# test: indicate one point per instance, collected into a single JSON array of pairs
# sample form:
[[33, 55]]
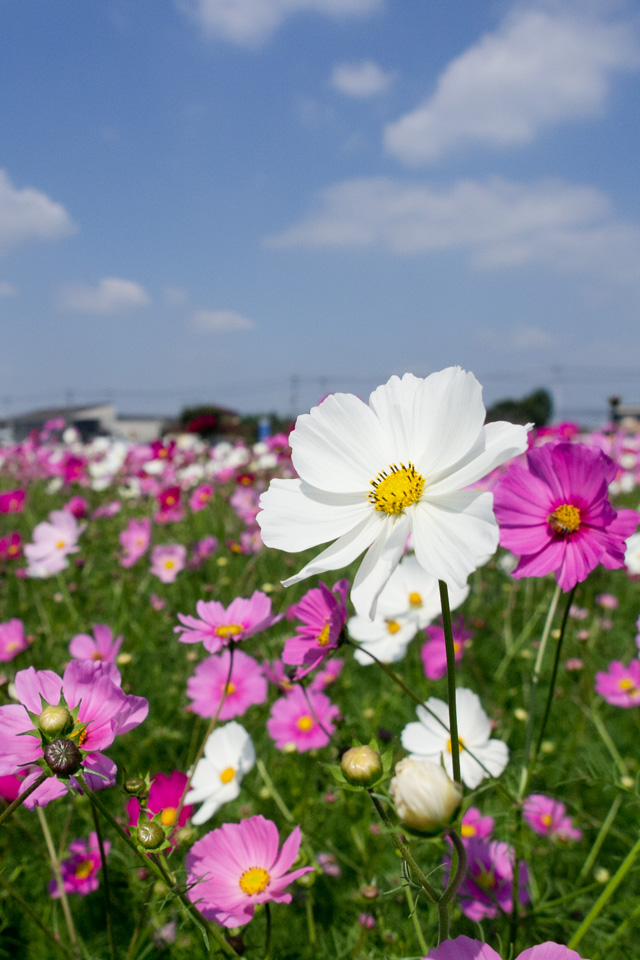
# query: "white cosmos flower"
[[430, 738], [632, 554], [409, 602], [228, 754], [370, 474]]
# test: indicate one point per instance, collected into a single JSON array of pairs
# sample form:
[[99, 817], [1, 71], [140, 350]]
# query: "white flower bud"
[[361, 766], [424, 795]]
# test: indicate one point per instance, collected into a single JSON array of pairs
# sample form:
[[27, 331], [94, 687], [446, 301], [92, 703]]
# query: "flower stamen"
[[254, 881], [565, 519], [401, 487]]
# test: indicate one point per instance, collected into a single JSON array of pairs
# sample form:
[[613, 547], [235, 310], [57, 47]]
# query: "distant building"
[[95, 420]]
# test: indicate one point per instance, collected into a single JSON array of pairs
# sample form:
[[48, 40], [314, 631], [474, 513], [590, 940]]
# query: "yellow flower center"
[[227, 775], [565, 519], [84, 869], [485, 880], [468, 830], [12, 645], [415, 599], [168, 816], [229, 630], [96, 655], [254, 881], [60, 544], [229, 689], [170, 501], [547, 819], [12, 550], [393, 491], [323, 636], [169, 564], [392, 626], [460, 744], [629, 685], [305, 723], [83, 736]]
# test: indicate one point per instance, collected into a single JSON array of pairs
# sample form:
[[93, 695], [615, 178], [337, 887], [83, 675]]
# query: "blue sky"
[[253, 202]]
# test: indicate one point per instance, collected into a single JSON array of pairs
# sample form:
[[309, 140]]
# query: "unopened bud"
[[54, 721], [150, 835], [63, 757], [361, 766], [136, 787], [424, 795]]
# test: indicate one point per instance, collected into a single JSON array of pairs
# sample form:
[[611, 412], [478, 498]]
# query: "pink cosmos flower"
[[607, 601], [135, 539], [434, 651], [12, 501], [556, 516], [94, 688], [462, 948], [217, 626], [246, 686], [108, 510], [323, 613], [488, 885], [10, 788], [158, 603], [547, 817], [302, 721], [101, 646], [171, 509], [10, 547], [277, 674], [167, 561], [328, 675], [202, 550], [475, 825], [12, 639], [80, 870], [238, 866], [620, 685], [200, 497], [78, 506], [164, 797], [53, 540]]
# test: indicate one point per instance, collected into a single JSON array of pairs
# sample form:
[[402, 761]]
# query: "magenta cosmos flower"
[[620, 685], [547, 817], [164, 798], [92, 687], [462, 948], [245, 685], [556, 516], [167, 561], [12, 501], [237, 866], [216, 626], [434, 651], [488, 885], [323, 614], [12, 639], [302, 721], [135, 539], [80, 869], [100, 646]]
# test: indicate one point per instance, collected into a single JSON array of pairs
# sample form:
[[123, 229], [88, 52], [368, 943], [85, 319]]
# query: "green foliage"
[[536, 408]]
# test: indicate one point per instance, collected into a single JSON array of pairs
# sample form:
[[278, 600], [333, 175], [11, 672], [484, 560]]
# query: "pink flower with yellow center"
[[242, 682], [302, 720], [620, 685], [547, 817], [323, 614], [80, 869], [217, 626], [12, 639], [167, 561], [164, 798], [100, 646], [238, 866]]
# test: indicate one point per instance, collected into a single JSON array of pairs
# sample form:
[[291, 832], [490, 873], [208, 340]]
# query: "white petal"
[[295, 516], [474, 725], [393, 405], [448, 418], [489, 760], [379, 563], [343, 551], [340, 446], [453, 535], [502, 441]]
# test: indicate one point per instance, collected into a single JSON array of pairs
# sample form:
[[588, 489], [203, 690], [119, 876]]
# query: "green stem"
[[413, 913], [142, 913], [602, 835], [275, 796], [70, 605], [401, 846], [594, 715], [311, 924], [23, 796], [606, 895], [34, 916], [267, 936], [156, 867], [55, 866], [105, 882], [451, 680]]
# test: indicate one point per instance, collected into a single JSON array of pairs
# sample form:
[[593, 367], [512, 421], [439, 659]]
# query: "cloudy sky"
[[255, 202]]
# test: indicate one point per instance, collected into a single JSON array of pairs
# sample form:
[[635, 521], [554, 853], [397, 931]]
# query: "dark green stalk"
[[451, 679], [401, 846], [23, 796], [105, 882]]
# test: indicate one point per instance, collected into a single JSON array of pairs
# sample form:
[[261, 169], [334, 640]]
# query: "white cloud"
[[220, 321], [497, 223], [111, 296], [360, 80], [518, 339], [7, 289], [28, 214], [540, 67], [250, 23]]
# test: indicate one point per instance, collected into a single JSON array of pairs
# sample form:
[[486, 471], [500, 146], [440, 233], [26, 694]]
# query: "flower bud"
[[424, 795], [150, 835], [63, 757], [361, 766], [54, 721], [136, 787]]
